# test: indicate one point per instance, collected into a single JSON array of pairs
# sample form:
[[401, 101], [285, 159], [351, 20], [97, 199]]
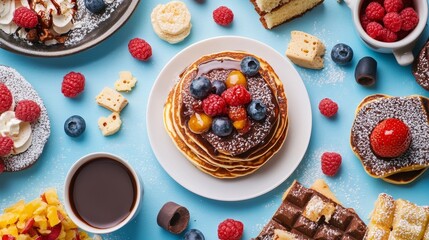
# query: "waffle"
[[399, 220], [308, 214], [238, 154], [413, 111]]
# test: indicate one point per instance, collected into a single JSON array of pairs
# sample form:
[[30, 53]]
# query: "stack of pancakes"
[[237, 154], [413, 111]]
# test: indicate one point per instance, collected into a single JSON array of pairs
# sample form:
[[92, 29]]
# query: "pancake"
[[404, 177], [413, 111], [238, 154]]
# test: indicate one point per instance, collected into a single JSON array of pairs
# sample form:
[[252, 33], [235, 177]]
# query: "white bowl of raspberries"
[[390, 26]]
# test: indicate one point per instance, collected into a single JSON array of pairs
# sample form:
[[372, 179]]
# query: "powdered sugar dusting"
[[398, 219], [21, 89], [346, 183], [86, 21], [407, 109], [332, 73]]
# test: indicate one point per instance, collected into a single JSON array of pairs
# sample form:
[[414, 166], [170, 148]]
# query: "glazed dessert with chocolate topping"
[[406, 165], [421, 67], [227, 121]]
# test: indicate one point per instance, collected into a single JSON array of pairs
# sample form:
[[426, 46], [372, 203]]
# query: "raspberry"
[[331, 162], [392, 21], [236, 96], [364, 20], [214, 105], [223, 16], [230, 229], [25, 17], [327, 107], [390, 138], [374, 11], [237, 113], [410, 19], [140, 49], [6, 146], [73, 84], [388, 36], [5, 98], [393, 5], [374, 29], [27, 111]]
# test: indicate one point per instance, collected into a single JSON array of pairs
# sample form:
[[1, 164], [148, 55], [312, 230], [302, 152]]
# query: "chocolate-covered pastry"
[[173, 217], [421, 67]]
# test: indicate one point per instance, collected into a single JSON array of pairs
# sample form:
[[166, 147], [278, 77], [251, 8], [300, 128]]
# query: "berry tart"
[[227, 113], [389, 136], [24, 122]]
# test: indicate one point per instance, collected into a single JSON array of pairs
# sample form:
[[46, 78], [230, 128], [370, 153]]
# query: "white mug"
[[402, 49], [68, 200]]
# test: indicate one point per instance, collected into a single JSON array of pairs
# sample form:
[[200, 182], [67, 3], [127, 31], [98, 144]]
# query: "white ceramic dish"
[[276, 170], [68, 205], [402, 49]]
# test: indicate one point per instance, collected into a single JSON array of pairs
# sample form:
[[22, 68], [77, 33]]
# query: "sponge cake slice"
[[285, 10]]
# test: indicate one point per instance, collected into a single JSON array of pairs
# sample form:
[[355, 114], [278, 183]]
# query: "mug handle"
[[404, 57]]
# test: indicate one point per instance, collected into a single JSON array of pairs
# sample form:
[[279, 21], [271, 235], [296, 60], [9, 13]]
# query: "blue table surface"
[[331, 22]]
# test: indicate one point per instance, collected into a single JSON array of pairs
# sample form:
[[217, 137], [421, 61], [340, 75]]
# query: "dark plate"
[[104, 30]]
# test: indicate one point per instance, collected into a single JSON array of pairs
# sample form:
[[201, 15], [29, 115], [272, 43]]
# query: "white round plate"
[[269, 176]]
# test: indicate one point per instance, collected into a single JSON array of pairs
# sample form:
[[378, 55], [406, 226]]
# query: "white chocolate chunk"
[[110, 125], [316, 208], [111, 100], [125, 82], [305, 50]]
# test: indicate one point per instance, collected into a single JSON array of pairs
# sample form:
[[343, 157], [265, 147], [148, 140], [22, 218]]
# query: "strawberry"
[[28, 225], [390, 138], [55, 232], [8, 237]]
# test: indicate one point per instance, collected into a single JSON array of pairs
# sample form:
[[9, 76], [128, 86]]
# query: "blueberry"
[[194, 234], [200, 87], [257, 110], [95, 6], [222, 126], [342, 54], [249, 66], [218, 87], [74, 126]]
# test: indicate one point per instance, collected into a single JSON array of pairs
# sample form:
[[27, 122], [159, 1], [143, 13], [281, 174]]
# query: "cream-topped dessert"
[[56, 18], [17, 130], [27, 126]]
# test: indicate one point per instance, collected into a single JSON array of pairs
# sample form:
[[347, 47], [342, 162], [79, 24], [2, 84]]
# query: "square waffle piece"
[[306, 213], [397, 220]]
